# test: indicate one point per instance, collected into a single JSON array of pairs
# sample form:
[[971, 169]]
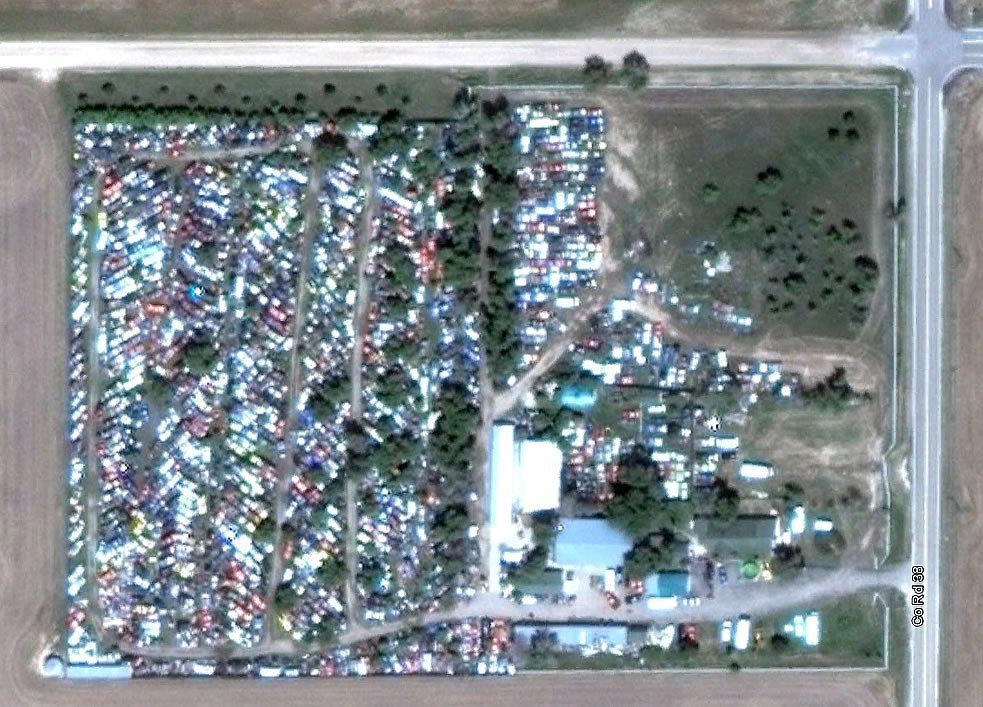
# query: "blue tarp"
[[667, 584], [578, 398]]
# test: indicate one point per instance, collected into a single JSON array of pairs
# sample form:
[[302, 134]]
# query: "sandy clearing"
[[962, 680]]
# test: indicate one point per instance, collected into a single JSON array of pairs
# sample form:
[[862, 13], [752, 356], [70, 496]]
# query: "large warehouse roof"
[[590, 543], [538, 480]]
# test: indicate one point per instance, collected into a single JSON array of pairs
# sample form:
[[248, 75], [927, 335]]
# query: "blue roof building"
[[667, 584], [589, 543], [112, 671]]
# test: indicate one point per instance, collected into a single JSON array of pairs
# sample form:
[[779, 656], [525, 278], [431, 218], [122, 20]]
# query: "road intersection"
[[929, 49]]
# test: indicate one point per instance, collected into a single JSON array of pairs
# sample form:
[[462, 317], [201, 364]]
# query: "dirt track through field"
[[962, 680]]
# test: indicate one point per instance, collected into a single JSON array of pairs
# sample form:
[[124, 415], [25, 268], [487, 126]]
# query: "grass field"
[[441, 17], [33, 246], [789, 187], [830, 461]]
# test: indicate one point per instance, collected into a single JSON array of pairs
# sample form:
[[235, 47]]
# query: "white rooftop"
[[537, 481]]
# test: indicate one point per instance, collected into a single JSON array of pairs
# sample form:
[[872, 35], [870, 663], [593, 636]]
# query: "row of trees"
[[149, 116], [834, 392], [534, 564], [634, 71], [500, 315], [458, 251]]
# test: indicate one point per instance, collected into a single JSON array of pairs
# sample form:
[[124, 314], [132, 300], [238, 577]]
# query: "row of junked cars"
[[218, 318], [215, 297]]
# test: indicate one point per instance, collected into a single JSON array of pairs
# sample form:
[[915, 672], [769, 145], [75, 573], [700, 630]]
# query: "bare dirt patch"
[[963, 483], [770, 688], [33, 332]]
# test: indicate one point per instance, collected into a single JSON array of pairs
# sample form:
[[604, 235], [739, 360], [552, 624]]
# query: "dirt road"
[[813, 358]]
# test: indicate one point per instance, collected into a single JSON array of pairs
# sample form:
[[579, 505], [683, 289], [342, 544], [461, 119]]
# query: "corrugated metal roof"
[[746, 535], [576, 635], [589, 542], [117, 671]]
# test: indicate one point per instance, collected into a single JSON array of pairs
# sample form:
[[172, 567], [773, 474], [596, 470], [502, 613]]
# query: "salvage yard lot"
[[33, 469], [835, 151], [550, 17]]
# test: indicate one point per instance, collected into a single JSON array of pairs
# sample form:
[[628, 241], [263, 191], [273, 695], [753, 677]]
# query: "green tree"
[[723, 501], [635, 70], [199, 357], [710, 193], [769, 181], [158, 390], [332, 148], [597, 72], [332, 573], [332, 393], [638, 504]]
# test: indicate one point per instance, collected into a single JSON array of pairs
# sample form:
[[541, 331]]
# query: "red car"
[[613, 601]]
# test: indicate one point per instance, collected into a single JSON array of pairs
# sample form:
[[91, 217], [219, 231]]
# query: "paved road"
[[811, 50], [929, 49]]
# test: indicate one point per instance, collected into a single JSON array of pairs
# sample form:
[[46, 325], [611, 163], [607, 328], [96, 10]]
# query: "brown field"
[[33, 216], [551, 17], [747, 688], [33, 219], [962, 679]]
